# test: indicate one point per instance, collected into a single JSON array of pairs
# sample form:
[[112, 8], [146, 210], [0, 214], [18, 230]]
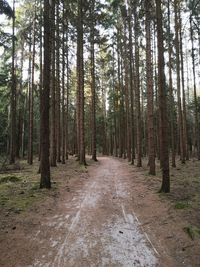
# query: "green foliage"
[[18, 192], [182, 205], [192, 231], [9, 178]]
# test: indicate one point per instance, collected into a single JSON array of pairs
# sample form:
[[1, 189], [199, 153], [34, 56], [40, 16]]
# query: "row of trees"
[[115, 77]]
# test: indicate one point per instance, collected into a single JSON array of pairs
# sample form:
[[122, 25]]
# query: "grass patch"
[[182, 205], [192, 231], [10, 179], [18, 192], [83, 168]]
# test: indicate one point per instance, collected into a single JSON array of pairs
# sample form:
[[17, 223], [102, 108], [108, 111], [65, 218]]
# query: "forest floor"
[[107, 214]]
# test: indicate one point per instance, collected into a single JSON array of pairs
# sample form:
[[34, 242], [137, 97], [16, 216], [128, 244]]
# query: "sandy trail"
[[97, 227]]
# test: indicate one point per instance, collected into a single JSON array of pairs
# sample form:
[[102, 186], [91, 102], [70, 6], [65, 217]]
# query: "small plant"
[[182, 205], [191, 231]]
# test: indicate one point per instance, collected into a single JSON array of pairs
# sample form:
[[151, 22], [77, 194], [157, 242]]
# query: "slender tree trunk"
[[131, 70], [53, 151], [80, 73], [58, 124], [137, 93], [93, 85], [67, 96], [21, 104], [149, 73], [126, 88], [41, 74], [197, 139], [115, 108], [180, 117], [120, 95], [63, 88], [171, 97], [164, 155], [157, 139], [45, 181], [13, 96], [185, 132], [31, 90]]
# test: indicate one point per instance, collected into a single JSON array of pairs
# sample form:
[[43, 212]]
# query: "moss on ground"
[[192, 231], [19, 191]]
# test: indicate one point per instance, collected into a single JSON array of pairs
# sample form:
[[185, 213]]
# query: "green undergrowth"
[[83, 168], [19, 191], [182, 205], [9, 178], [192, 231]]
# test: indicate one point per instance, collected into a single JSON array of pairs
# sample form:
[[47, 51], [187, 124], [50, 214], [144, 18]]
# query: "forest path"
[[97, 226]]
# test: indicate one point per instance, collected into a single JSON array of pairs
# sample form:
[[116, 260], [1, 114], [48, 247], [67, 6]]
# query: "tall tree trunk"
[[180, 117], [13, 96], [137, 92], [185, 132], [21, 104], [67, 96], [126, 88], [53, 150], [197, 139], [31, 90], [121, 148], [45, 181], [157, 139], [131, 70], [41, 73], [115, 104], [63, 87], [93, 85], [149, 74], [164, 155], [171, 97], [80, 80], [58, 124]]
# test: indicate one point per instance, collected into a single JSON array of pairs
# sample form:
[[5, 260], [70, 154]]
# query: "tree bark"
[[93, 85], [53, 150], [58, 93], [164, 156], [137, 93], [45, 181], [13, 96], [197, 139], [80, 80], [131, 70], [171, 97], [149, 75], [180, 117], [63, 88], [185, 131], [31, 90]]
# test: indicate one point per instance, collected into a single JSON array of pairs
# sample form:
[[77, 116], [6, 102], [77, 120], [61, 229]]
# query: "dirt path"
[[98, 226], [108, 217]]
